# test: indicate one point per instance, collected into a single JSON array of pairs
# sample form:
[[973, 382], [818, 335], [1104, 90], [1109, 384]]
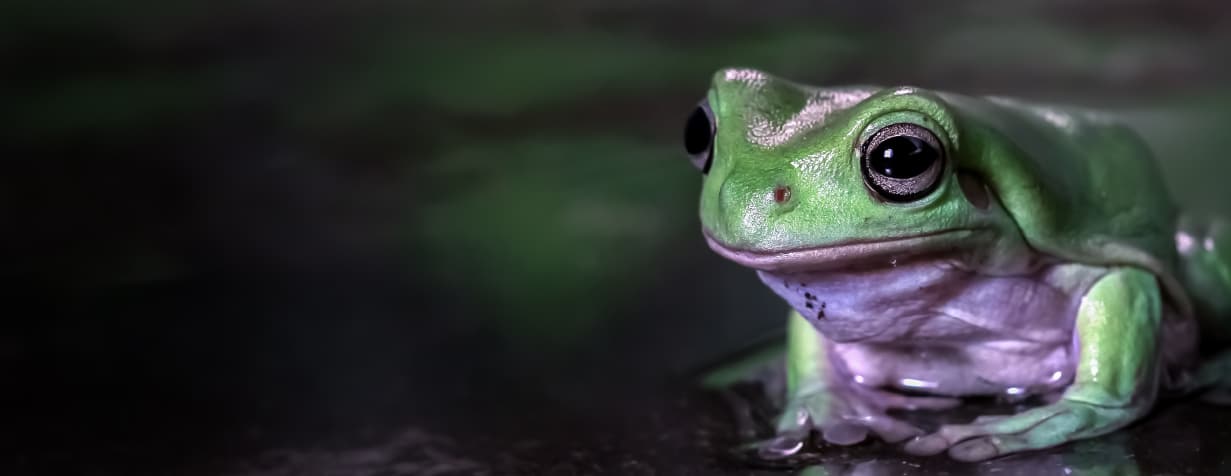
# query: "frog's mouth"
[[842, 254]]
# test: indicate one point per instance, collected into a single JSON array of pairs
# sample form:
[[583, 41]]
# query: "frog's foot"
[[840, 420], [1051, 425]]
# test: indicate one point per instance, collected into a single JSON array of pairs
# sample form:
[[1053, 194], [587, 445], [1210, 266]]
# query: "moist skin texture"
[[1045, 260]]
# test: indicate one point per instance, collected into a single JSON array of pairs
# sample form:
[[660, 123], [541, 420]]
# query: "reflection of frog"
[[935, 246], [1098, 457]]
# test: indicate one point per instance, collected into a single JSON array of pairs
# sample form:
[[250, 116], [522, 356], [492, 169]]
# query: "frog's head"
[[798, 177]]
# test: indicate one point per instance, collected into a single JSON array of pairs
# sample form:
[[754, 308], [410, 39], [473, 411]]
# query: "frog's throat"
[[841, 254]]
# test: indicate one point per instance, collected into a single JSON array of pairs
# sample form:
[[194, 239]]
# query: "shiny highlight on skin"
[[1046, 262]]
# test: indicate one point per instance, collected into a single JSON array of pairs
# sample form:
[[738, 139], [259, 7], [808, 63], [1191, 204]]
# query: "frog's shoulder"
[[1080, 183]]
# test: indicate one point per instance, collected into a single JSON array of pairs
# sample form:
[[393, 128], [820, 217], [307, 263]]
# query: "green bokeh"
[[553, 230], [529, 153]]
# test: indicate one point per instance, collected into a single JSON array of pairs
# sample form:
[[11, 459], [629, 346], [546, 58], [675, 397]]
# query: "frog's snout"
[[749, 210]]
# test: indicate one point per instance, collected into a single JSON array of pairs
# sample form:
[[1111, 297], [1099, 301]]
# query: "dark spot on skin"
[[782, 194], [820, 314], [808, 305], [822, 304], [809, 296]]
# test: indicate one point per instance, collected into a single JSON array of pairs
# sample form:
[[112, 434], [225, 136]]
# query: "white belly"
[[933, 327]]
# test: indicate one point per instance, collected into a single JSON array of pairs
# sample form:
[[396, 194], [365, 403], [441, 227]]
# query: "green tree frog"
[[934, 246]]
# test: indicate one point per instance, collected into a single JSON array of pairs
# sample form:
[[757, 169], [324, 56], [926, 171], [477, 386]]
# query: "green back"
[[1078, 184]]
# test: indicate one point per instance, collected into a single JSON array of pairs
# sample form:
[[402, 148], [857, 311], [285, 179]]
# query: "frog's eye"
[[699, 137], [902, 162]]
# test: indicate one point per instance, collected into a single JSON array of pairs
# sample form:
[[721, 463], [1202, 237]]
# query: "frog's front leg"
[[1118, 325], [819, 400]]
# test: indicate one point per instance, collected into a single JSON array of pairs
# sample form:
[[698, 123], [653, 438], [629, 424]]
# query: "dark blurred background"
[[381, 237]]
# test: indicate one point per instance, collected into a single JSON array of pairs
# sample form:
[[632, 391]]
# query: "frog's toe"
[[842, 421], [782, 446], [971, 440], [823, 413], [1053, 432], [978, 449], [1038, 428], [990, 418], [927, 445], [843, 433], [950, 437], [852, 430], [891, 429]]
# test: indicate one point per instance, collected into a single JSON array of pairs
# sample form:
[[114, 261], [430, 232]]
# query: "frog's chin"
[[843, 254]]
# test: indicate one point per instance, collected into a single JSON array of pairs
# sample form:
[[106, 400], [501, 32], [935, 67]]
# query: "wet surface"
[[205, 395]]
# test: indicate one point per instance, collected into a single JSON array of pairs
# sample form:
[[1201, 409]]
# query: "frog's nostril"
[[782, 194]]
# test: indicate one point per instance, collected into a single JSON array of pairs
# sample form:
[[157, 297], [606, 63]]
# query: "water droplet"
[[859, 379], [845, 433], [1055, 376], [1014, 390]]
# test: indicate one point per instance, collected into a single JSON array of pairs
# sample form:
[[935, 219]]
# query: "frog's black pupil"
[[697, 133], [902, 157]]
